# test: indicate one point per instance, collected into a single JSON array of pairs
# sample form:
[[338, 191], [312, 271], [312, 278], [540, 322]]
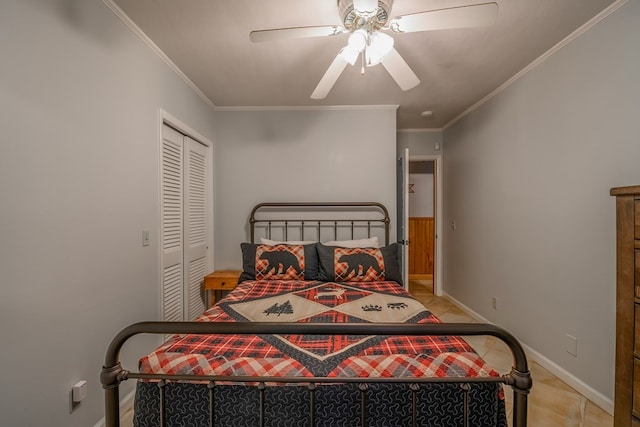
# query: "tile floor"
[[552, 403]]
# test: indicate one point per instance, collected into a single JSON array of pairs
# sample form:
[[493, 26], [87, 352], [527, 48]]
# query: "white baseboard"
[[580, 386], [126, 403]]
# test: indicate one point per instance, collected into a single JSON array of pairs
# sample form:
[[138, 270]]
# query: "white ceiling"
[[209, 41]]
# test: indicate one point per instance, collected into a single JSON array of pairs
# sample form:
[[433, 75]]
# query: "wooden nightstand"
[[220, 280]]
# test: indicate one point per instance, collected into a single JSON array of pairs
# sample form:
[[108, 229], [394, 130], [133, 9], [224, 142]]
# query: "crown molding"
[[426, 130], [307, 107]]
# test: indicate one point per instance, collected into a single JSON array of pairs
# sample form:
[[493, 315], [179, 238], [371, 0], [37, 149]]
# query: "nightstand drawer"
[[220, 280], [220, 283]]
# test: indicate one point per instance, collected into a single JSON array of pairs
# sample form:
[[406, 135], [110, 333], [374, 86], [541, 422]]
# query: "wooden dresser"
[[627, 386]]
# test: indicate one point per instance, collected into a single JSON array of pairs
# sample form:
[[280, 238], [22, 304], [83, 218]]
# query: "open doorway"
[[422, 210]]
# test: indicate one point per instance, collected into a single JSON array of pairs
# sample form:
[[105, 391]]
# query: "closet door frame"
[[165, 118]]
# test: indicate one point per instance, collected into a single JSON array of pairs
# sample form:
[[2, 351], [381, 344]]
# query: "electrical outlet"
[[494, 303], [77, 394], [571, 345]]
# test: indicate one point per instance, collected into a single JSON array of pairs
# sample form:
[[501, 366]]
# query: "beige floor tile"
[[596, 417], [551, 406], [542, 376], [499, 360], [481, 344], [449, 317], [126, 420]]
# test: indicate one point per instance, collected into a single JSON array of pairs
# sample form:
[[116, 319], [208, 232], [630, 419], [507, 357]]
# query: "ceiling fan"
[[366, 22]]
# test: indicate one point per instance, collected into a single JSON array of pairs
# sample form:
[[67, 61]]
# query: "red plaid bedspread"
[[311, 355]]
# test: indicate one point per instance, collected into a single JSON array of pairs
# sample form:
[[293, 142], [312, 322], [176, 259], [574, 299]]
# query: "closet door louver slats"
[[195, 304], [172, 225], [196, 225], [173, 293]]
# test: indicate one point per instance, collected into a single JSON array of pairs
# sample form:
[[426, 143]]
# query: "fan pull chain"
[[362, 64]]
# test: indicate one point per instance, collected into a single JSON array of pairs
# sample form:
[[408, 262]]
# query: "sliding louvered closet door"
[[185, 213]]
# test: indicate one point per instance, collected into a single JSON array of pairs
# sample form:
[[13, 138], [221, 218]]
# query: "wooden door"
[[421, 248]]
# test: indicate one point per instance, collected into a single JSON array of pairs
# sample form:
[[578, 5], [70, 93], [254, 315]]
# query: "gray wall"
[[527, 179], [302, 155], [79, 100], [420, 142]]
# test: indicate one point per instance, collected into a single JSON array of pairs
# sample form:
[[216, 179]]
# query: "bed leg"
[[519, 409], [112, 407], [111, 377], [521, 384]]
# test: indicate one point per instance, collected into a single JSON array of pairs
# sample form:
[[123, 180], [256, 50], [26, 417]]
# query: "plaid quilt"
[[313, 355]]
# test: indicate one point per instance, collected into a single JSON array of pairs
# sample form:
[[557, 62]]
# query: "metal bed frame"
[[519, 378]]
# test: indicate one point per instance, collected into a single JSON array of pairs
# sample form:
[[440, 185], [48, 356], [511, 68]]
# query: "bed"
[[317, 334]]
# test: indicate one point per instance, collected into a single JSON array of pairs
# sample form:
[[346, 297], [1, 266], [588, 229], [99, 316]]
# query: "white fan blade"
[[399, 70], [457, 17], [294, 33], [329, 78]]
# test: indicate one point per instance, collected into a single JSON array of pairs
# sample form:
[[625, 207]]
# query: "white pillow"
[[290, 242], [371, 242]]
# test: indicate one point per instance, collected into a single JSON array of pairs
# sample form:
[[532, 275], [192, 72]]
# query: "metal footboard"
[[113, 373]]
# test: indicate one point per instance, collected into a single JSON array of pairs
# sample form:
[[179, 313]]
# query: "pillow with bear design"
[[338, 264], [279, 262]]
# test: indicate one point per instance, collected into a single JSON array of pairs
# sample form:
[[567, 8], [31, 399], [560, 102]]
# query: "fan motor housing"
[[352, 21]]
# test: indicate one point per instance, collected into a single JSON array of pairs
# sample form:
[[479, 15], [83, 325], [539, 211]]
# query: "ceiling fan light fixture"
[[365, 8], [356, 44], [358, 40], [379, 46], [349, 55]]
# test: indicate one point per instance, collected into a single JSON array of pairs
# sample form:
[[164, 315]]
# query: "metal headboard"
[[379, 213]]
